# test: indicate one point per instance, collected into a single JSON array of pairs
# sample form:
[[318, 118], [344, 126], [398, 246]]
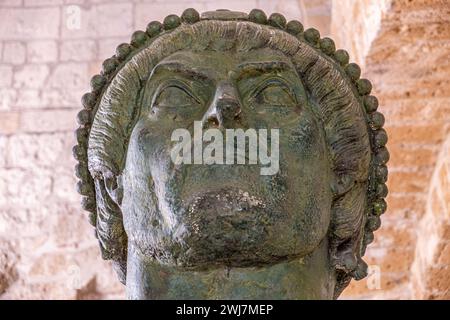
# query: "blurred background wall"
[[49, 49]]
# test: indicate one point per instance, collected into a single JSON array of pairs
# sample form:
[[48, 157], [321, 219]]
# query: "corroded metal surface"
[[225, 231]]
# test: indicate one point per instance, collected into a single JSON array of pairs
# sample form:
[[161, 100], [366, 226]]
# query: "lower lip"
[[231, 201]]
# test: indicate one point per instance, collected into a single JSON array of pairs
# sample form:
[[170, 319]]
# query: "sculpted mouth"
[[225, 202], [226, 226]]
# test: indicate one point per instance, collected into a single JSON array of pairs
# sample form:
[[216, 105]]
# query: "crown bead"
[[294, 27], [257, 16], [312, 36], [327, 46], [277, 20], [190, 15]]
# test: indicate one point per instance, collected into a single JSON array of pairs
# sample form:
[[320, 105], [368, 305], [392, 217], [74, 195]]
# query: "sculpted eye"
[[274, 93], [176, 96]]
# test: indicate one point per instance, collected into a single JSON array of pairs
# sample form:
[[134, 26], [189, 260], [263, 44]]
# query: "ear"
[[341, 184], [347, 231], [109, 227], [114, 186], [345, 259]]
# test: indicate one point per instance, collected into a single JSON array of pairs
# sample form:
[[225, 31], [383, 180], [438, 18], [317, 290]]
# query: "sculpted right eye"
[[175, 96]]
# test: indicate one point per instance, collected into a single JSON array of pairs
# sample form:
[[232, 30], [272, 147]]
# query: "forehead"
[[218, 64]]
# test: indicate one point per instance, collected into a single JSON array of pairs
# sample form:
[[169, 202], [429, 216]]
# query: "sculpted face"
[[230, 155], [197, 215]]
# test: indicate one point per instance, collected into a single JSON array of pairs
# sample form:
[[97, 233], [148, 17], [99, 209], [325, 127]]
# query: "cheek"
[[305, 150], [150, 142], [146, 159], [145, 171], [309, 176], [306, 138]]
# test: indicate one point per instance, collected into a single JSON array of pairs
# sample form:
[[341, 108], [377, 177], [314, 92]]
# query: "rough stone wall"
[[363, 19], [46, 248], [406, 53], [431, 266], [49, 49]]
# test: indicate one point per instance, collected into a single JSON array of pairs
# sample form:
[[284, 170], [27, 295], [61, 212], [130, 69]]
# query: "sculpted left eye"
[[274, 95], [175, 96]]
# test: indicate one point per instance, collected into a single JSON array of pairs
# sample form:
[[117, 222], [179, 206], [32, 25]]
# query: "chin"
[[226, 227], [229, 228], [206, 256]]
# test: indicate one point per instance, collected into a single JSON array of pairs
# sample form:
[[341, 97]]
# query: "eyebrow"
[[177, 67], [252, 69]]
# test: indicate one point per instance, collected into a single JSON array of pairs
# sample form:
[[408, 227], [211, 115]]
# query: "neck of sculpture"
[[309, 277]]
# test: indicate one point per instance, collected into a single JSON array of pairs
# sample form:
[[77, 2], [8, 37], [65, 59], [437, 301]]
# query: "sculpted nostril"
[[225, 107], [229, 108], [213, 121]]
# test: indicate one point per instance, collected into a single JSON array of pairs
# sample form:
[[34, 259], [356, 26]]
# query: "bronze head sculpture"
[[224, 230]]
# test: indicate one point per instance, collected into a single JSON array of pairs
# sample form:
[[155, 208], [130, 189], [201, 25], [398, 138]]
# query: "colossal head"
[[289, 215]]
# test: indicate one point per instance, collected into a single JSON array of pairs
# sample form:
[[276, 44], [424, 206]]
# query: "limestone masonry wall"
[[408, 62], [49, 49]]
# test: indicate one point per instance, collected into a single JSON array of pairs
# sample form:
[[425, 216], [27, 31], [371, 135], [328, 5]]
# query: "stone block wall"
[[405, 49], [49, 49]]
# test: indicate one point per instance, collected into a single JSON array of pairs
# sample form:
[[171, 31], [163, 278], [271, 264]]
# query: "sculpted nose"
[[225, 109]]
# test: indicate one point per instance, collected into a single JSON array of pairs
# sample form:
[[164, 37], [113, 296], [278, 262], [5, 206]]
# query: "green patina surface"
[[202, 231]]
